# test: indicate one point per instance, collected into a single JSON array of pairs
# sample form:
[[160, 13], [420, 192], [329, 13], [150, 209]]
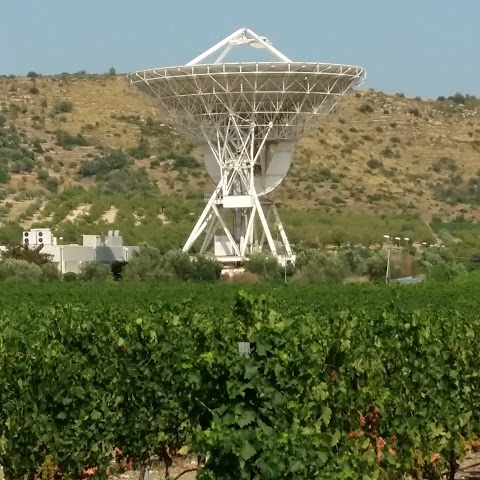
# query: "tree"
[[442, 272], [30, 255], [263, 265], [69, 277], [146, 265], [442, 266], [4, 175], [99, 167], [355, 259], [196, 269], [95, 272], [10, 232], [339, 235], [50, 273], [19, 271], [376, 267], [321, 267], [150, 265]]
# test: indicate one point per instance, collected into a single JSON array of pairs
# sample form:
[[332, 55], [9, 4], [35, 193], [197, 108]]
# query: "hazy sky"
[[418, 47]]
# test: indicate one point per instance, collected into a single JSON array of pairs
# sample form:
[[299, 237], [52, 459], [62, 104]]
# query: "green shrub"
[[445, 163], [69, 277], [141, 151], [63, 106], [4, 175], [19, 271], [366, 108], [95, 272], [264, 265], [42, 174], [37, 145], [67, 140], [320, 267], [150, 265], [101, 166], [50, 273], [184, 161], [154, 163], [374, 163], [52, 184], [128, 181]]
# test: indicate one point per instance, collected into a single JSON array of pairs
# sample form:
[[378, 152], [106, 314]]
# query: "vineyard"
[[269, 382]]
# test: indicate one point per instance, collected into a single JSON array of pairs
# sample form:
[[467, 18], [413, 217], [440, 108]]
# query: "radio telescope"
[[246, 118]]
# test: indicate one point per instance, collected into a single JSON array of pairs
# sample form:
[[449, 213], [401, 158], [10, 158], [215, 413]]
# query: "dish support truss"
[[240, 151]]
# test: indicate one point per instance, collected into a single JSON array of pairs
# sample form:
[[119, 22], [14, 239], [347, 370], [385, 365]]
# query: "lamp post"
[[387, 273]]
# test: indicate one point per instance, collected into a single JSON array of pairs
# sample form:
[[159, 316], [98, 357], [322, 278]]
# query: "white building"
[[69, 258]]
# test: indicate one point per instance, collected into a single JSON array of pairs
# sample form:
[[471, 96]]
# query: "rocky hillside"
[[82, 152]]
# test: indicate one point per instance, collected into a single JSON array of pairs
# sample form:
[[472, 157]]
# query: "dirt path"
[[469, 470], [158, 472]]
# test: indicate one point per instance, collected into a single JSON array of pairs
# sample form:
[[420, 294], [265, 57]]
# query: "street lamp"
[[387, 273]]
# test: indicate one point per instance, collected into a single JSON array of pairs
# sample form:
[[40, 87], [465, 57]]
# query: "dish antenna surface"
[[246, 117]]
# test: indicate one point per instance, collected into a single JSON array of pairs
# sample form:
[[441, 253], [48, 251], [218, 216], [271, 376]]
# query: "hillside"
[[82, 153]]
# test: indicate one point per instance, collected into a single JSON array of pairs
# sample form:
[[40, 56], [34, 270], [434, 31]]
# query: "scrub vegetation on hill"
[[83, 153]]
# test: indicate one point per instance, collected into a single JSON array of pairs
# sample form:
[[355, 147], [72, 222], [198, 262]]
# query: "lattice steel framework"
[[250, 115]]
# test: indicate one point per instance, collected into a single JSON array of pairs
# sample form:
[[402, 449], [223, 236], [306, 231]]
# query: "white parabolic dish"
[[200, 99], [247, 118]]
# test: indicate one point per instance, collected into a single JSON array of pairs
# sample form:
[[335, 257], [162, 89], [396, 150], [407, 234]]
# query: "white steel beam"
[[200, 225], [243, 36], [283, 235], [232, 241], [269, 47], [223, 54], [209, 236], [266, 228], [216, 47], [248, 233]]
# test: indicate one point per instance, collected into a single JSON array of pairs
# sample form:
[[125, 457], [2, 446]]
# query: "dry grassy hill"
[[379, 155]]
